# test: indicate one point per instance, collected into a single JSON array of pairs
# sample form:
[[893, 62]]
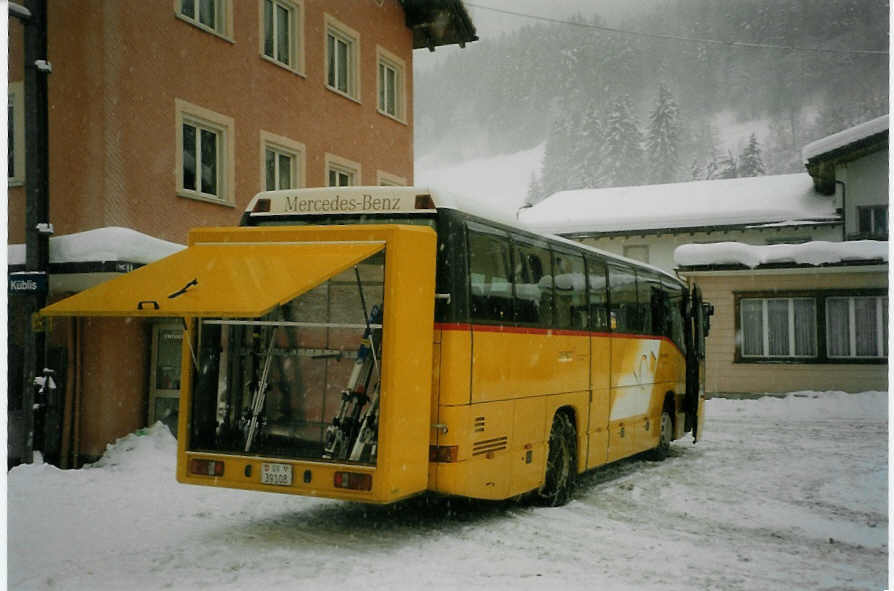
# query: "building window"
[[15, 110], [857, 327], [342, 58], [872, 222], [778, 327], [638, 252], [214, 16], [824, 326], [204, 154], [282, 163], [391, 84], [282, 37], [341, 172]]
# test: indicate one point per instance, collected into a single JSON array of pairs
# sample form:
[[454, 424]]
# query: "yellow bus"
[[373, 343]]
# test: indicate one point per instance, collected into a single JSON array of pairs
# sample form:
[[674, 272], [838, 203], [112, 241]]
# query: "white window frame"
[[295, 9], [223, 17], [16, 99], [203, 118], [288, 147], [351, 38], [386, 179], [765, 332], [852, 328], [342, 166], [389, 61]]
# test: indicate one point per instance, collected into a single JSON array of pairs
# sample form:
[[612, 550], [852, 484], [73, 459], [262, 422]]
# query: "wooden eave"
[[438, 22], [822, 166]]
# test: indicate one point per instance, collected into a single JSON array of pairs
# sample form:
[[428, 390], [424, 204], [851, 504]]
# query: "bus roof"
[[384, 200]]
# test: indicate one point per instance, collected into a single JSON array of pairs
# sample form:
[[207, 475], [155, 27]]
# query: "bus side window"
[[490, 285], [533, 285], [571, 295], [598, 295], [624, 305]]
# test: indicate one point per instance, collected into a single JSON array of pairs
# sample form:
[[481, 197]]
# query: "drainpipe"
[[843, 209], [37, 226]]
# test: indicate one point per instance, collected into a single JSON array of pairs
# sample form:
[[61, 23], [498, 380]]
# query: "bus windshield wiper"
[[257, 402]]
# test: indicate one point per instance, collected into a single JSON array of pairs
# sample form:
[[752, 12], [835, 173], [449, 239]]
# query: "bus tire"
[[561, 463], [665, 435]]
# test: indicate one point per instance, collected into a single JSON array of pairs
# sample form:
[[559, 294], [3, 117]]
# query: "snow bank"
[[803, 406], [845, 137], [809, 253], [494, 187], [742, 201], [102, 244]]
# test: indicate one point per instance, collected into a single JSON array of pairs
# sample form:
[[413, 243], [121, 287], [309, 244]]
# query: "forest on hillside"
[[618, 109]]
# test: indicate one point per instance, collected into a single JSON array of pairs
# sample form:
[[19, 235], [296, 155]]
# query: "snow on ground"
[[493, 187], [782, 493], [809, 253]]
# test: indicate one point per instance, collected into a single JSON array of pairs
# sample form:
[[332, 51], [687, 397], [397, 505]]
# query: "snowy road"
[[782, 494]]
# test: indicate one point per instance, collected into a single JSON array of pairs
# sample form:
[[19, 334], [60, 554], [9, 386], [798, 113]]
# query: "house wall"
[[866, 182], [115, 354], [661, 247], [723, 374], [118, 68]]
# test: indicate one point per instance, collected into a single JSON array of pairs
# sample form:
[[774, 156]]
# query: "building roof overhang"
[[862, 266], [822, 156], [439, 22]]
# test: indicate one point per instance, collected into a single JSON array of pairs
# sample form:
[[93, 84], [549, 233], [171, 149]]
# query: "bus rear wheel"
[[561, 463]]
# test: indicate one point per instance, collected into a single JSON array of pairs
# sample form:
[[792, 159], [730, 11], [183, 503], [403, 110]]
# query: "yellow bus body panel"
[[405, 404]]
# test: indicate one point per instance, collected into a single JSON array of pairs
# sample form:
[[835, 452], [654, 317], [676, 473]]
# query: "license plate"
[[280, 474]]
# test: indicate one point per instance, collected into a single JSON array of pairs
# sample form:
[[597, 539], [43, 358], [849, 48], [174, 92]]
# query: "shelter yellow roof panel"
[[237, 280]]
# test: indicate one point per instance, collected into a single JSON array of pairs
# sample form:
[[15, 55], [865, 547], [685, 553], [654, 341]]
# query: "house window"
[[211, 15], [391, 84], [638, 252], [872, 221], [282, 34], [204, 154], [15, 110], [857, 327], [282, 163], [341, 172], [778, 327], [342, 57]]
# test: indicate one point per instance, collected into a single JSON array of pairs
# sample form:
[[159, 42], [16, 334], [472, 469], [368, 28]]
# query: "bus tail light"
[[353, 480], [206, 467], [262, 205], [443, 453]]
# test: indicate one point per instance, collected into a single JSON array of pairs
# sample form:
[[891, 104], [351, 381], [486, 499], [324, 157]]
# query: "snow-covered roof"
[[102, 244], [809, 253], [844, 138], [788, 198]]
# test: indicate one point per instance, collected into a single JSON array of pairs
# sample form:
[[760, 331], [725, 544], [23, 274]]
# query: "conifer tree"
[[728, 167], [623, 150], [750, 161], [663, 140]]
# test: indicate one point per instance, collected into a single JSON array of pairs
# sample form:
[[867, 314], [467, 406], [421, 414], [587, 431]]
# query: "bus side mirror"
[[707, 312]]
